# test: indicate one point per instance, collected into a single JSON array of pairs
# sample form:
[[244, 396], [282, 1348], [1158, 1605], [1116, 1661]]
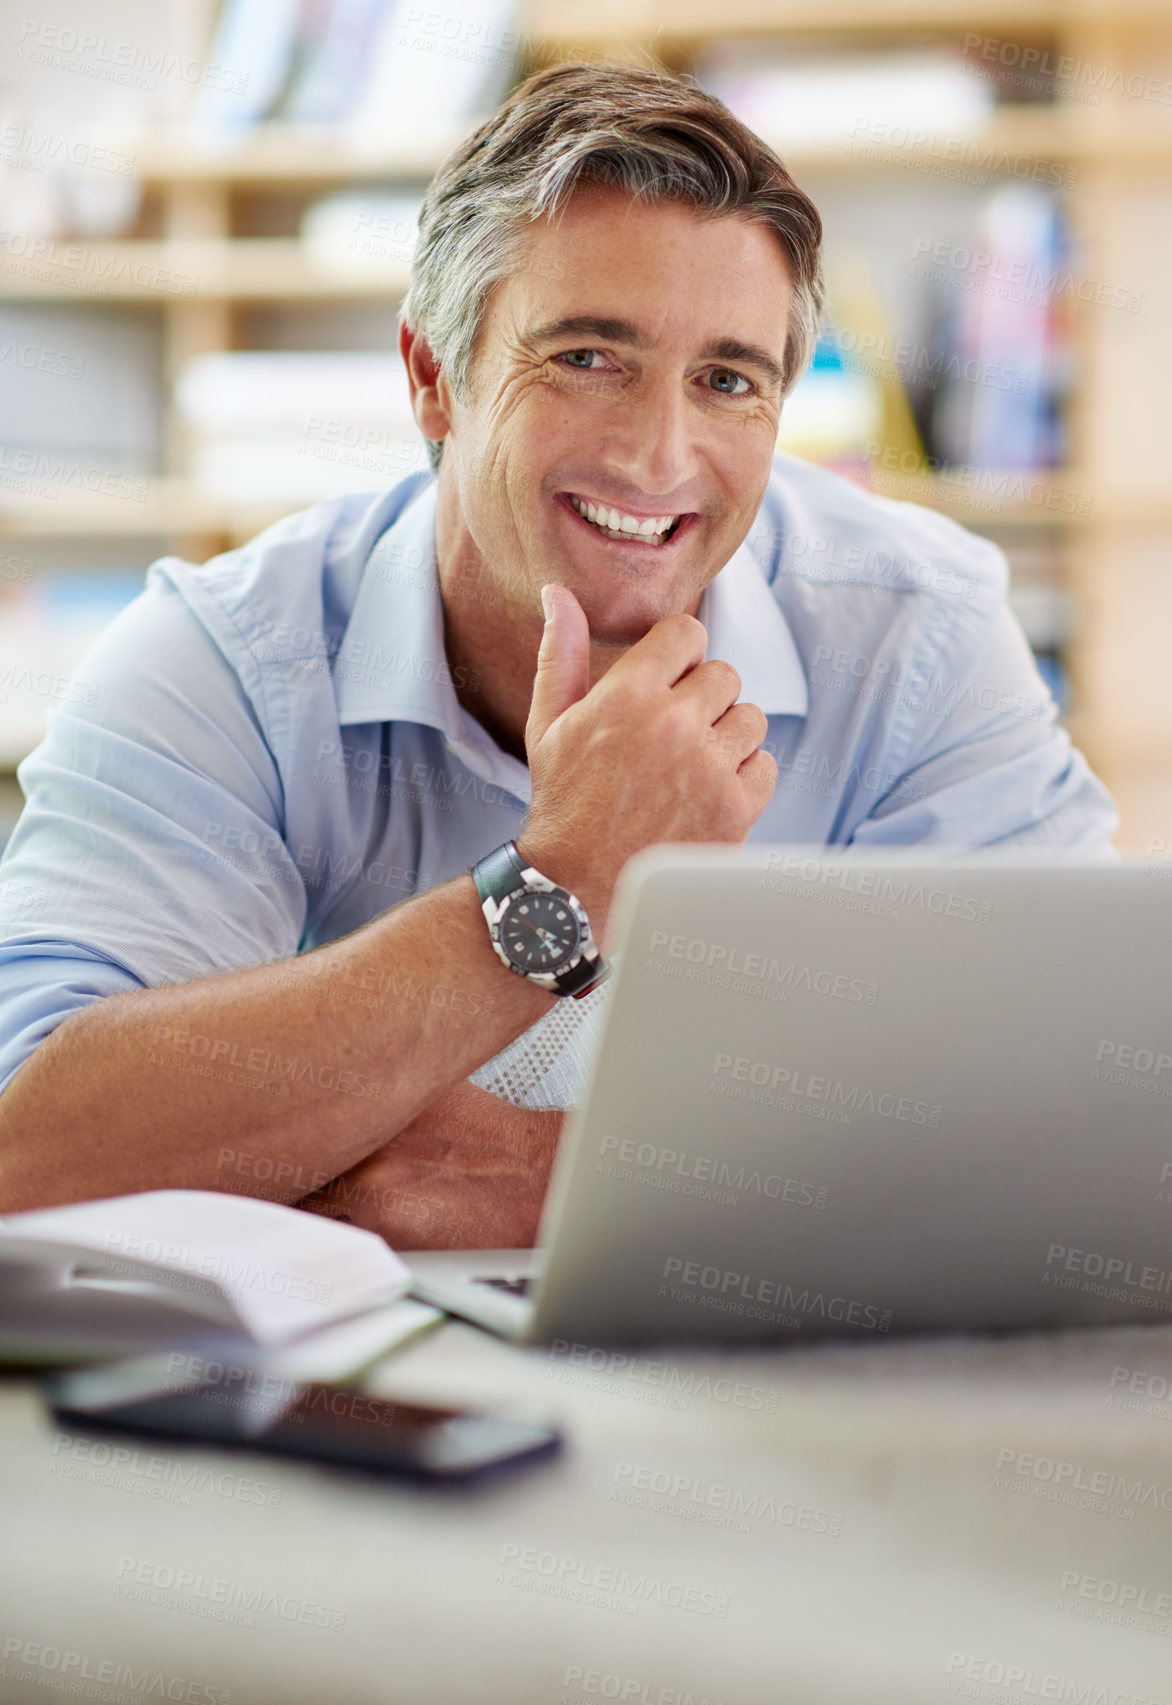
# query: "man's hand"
[[658, 750], [469, 1172]]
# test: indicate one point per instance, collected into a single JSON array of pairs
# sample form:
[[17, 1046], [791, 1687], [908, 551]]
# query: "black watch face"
[[539, 932]]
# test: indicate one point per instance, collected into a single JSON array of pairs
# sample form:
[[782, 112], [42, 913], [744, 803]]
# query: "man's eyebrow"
[[625, 331], [591, 325], [748, 354]]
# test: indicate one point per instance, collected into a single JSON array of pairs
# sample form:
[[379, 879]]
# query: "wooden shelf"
[[996, 499], [1068, 134], [179, 506], [559, 28], [1064, 497], [171, 507], [203, 269], [211, 269], [278, 154]]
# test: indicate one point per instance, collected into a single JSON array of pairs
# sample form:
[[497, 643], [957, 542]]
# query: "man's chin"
[[619, 628], [610, 638]]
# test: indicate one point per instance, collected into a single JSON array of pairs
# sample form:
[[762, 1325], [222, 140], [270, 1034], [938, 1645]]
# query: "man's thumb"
[[563, 662]]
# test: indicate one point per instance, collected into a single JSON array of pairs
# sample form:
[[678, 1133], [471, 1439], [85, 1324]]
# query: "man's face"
[[631, 360]]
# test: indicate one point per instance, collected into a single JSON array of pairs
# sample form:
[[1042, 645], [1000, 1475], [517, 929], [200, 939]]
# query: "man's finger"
[[668, 650], [563, 662]]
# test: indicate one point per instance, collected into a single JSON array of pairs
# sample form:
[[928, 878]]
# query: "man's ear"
[[430, 395]]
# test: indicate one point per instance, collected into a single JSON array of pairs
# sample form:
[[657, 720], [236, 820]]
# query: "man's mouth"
[[617, 524]]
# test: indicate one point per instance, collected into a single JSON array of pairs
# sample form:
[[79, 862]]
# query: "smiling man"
[[310, 900], [629, 469]]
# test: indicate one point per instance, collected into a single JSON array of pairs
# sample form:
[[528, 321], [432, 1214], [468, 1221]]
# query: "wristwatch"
[[539, 930]]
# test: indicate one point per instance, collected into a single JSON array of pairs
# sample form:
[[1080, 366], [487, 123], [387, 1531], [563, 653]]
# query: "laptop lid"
[[868, 1094]]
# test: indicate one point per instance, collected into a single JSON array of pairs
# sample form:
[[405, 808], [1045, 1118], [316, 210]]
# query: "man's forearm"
[[310, 1064], [470, 1171]]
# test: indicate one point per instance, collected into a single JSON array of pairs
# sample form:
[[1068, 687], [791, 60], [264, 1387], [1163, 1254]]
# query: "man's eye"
[[725, 379], [571, 355]]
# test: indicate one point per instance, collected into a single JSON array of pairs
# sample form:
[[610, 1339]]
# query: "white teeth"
[[611, 521]]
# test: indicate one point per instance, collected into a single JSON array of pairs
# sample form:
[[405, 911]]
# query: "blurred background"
[[207, 210]]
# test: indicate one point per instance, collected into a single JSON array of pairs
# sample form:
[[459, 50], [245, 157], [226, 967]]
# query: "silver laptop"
[[858, 1095]]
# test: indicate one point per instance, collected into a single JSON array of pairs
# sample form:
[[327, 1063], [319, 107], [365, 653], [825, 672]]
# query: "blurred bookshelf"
[[274, 221]]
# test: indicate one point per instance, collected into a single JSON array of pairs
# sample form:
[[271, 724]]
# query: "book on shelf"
[[853, 395], [294, 426], [257, 41], [357, 230], [332, 56], [79, 398], [833, 412], [379, 74], [801, 96], [1004, 328], [435, 73]]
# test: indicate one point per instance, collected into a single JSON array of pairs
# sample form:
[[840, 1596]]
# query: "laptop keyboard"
[[515, 1287]]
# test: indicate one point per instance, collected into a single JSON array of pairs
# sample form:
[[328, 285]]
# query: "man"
[[204, 979]]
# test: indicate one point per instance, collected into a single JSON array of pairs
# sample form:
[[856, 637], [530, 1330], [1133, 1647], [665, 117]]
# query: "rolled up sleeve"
[[150, 850]]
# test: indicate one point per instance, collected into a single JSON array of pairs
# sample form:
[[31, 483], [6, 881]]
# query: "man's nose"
[[652, 437]]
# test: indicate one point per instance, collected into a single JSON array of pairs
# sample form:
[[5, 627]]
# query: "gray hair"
[[656, 137]]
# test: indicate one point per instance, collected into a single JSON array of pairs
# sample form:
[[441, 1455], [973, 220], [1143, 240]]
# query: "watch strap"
[[498, 873]]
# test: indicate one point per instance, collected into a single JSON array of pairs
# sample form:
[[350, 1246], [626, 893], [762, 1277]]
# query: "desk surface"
[[895, 1524]]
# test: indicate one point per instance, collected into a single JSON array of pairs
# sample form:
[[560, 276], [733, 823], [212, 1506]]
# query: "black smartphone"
[[239, 1406]]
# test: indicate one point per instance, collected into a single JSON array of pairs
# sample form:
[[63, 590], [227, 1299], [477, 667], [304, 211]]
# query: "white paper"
[[276, 1273], [340, 1351]]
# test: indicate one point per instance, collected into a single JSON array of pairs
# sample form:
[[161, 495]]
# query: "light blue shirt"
[[269, 749]]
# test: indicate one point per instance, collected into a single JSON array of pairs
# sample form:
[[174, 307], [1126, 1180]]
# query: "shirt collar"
[[391, 665], [747, 628]]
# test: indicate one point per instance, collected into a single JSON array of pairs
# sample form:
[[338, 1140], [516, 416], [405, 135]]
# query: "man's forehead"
[[596, 213], [562, 282]]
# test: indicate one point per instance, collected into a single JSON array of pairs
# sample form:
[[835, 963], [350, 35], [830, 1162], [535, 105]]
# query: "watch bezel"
[[572, 904], [504, 876]]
